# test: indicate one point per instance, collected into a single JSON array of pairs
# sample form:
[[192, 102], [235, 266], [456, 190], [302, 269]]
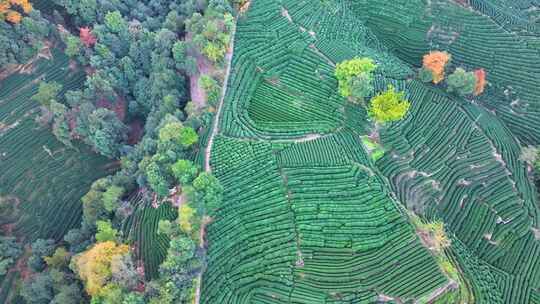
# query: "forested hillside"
[[269, 151]]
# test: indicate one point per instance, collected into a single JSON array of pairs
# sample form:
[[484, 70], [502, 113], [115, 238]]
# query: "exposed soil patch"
[[136, 130], [8, 70], [204, 67]]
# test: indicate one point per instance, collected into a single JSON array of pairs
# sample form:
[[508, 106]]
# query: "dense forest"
[[134, 108]]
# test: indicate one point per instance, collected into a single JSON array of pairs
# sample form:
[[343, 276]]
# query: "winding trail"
[[208, 151], [215, 125]]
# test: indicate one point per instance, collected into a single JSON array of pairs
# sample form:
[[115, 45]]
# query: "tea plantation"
[[41, 177], [141, 228], [270, 151], [310, 217]]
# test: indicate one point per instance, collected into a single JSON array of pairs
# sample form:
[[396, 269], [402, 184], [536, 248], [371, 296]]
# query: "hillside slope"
[[306, 217], [41, 178], [301, 191]]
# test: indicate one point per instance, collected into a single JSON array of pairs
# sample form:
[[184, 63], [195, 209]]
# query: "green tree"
[[40, 248], [170, 132], [115, 22], [110, 294], [529, 154], [179, 269], [39, 289], [425, 75], [10, 250], [165, 227], [105, 232], [208, 191], [188, 137], [134, 298], [361, 86], [68, 294], [61, 129], [211, 87], [111, 197], [78, 239], [93, 206], [461, 82], [47, 92], [58, 260], [355, 77], [157, 180], [179, 51], [174, 133], [184, 171], [388, 106], [73, 46], [190, 65], [211, 32], [106, 132]]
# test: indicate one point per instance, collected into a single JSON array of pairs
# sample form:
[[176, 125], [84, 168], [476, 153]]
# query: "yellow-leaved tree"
[[10, 10], [185, 217], [388, 106], [94, 265]]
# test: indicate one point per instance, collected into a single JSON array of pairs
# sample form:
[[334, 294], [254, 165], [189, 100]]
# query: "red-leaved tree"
[[87, 38]]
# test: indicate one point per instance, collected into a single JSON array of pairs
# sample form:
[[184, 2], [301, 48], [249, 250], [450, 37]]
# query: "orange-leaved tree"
[[436, 62], [10, 10], [481, 82]]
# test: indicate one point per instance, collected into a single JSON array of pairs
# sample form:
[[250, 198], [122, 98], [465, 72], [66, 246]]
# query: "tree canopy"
[[461, 82], [355, 77], [10, 250], [436, 62], [481, 81], [94, 265], [9, 12], [388, 106]]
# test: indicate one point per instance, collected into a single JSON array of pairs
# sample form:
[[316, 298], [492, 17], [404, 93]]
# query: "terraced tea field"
[[476, 40], [308, 217], [457, 162], [42, 178], [141, 229]]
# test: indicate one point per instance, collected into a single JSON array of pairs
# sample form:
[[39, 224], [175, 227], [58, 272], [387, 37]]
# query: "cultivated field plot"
[[141, 228], [306, 216], [42, 179], [45, 178], [458, 162], [319, 230], [493, 36]]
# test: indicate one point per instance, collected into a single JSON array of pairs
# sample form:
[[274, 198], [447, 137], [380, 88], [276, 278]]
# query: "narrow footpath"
[[208, 151]]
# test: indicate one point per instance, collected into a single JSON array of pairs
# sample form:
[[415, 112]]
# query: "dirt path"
[[215, 125], [204, 67], [208, 151], [451, 285], [286, 14]]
